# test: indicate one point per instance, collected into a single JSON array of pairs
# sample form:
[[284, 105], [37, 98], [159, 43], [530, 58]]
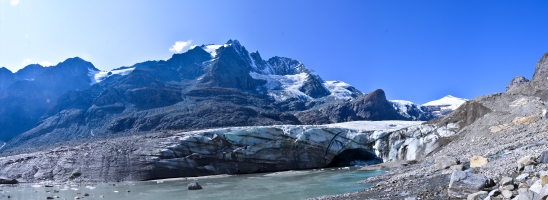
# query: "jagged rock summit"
[[516, 82]]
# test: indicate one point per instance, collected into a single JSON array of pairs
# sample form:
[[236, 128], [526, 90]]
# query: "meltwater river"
[[281, 185]]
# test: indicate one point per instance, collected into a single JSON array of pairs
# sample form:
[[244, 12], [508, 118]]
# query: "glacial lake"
[[281, 185]]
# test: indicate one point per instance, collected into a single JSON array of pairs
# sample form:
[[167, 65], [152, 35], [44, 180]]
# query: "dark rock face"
[[24, 102], [467, 114], [516, 82], [229, 70], [284, 66], [313, 87], [6, 78], [372, 106], [541, 67]]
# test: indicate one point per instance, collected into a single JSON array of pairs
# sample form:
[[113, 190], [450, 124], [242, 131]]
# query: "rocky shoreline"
[[500, 154]]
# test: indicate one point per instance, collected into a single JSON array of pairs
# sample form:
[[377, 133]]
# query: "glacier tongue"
[[228, 151]]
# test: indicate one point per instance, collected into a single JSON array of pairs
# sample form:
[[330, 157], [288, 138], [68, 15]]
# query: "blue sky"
[[414, 50]]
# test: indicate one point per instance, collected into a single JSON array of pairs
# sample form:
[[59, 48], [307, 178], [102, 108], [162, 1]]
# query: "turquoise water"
[[282, 185]]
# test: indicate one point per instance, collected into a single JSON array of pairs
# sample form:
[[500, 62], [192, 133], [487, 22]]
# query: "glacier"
[[226, 151]]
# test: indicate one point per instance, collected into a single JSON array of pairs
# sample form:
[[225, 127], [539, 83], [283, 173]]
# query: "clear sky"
[[414, 50]]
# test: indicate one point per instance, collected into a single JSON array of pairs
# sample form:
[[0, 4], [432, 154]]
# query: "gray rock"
[[194, 186], [510, 187], [445, 162], [527, 160], [544, 192], [457, 167], [494, 192], [522, 177], [506, 181], [464, 183], [516, 82], [542, 66], [543, 157], [477, 195], [507, 194], [536, 187], [529, 169], [526, 194]]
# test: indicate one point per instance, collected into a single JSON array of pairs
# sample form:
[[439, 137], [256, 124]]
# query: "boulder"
[[445, 162], [477, 195], [523, 185], [194, 186], [506, 181], [543, 178], [507, 194], [527, 160], [536, 187], [8, 181], [544, 192], [526, 194], [510, 187], [522, 177], [464, 183], [478, 161], [457, 167], [544, 157]]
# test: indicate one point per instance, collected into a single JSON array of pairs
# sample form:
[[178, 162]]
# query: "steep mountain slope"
[[207, 86], [23, 102], [372, 106], [6, 78]]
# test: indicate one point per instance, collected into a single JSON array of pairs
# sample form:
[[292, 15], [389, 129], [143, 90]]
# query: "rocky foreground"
[[501, 153]]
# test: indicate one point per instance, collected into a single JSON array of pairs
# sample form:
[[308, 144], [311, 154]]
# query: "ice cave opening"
[[351, 157]]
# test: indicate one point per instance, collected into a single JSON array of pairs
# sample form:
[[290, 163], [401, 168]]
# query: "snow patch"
[[212, 48], [447, 102], [98, 76], [339, 89], [284, 87]]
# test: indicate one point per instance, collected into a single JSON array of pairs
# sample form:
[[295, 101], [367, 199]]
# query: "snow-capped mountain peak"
[[431, 110], [449, 102]]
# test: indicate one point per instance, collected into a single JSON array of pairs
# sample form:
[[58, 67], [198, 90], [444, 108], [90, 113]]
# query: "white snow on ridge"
[[98, 76], [285, 87], [447, 102], [338, 89], [212, 48]]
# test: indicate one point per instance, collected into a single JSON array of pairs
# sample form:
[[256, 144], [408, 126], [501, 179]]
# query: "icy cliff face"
[[228, 151]]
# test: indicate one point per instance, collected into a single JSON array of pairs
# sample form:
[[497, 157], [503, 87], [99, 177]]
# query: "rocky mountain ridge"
[[208, 86]]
